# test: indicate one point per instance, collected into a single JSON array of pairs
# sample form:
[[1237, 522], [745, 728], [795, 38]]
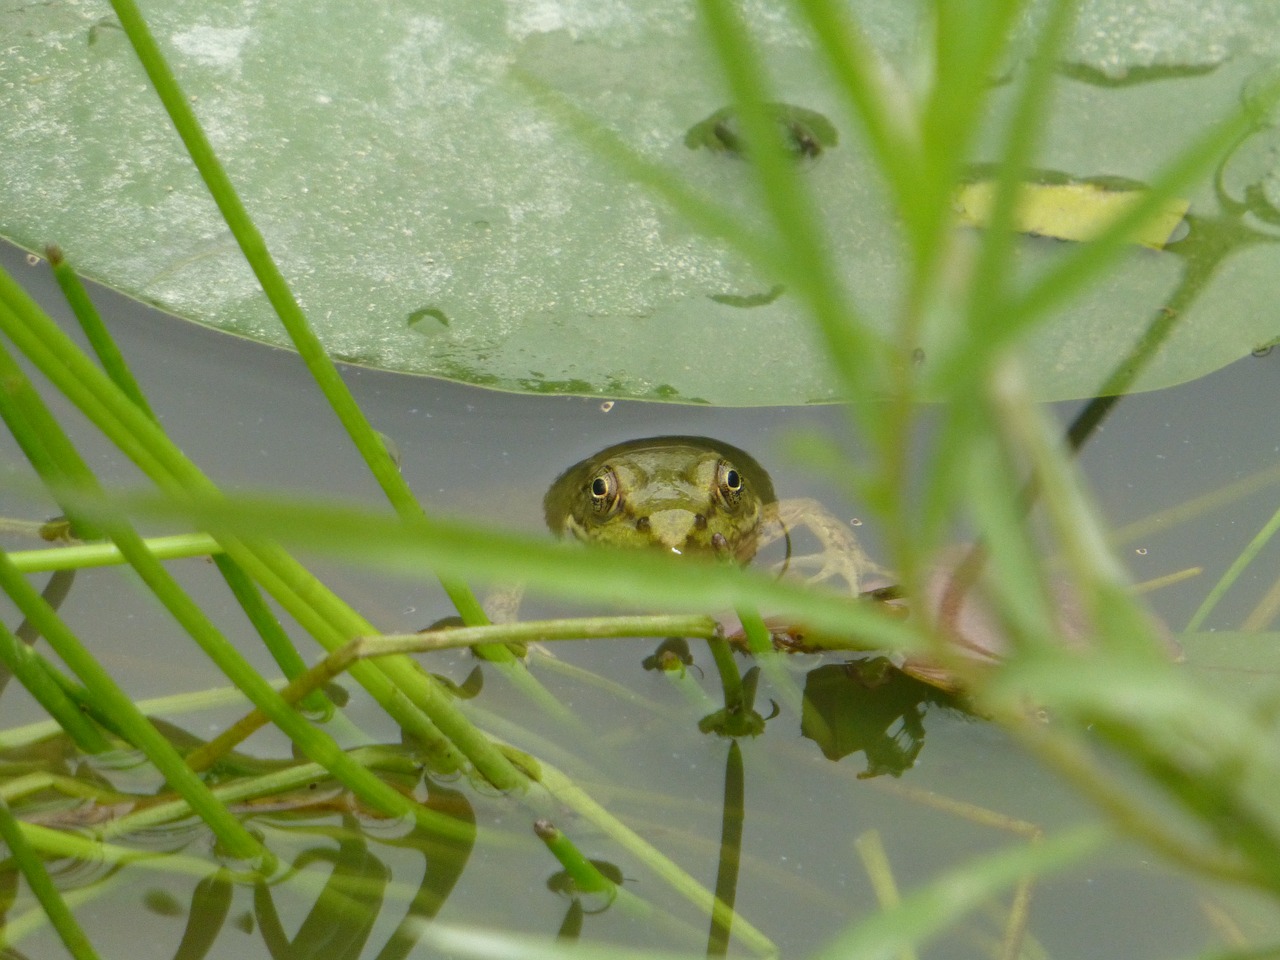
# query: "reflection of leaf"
[[411, 178], [343, 915], [867, 706], [444, 858], [210, 904]]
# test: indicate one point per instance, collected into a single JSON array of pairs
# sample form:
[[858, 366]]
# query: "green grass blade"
[[95, 331], [38, 677], [616, 576], [1232, 574], [969, 39], [945, 899], [277, 642], [399, 686], [113, 701], [802, 254], [989, 280], [72, 936], [274, 286], [886, 113], [85, 555]]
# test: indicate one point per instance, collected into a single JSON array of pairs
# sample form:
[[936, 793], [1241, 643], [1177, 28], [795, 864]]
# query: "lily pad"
[[433, 218]]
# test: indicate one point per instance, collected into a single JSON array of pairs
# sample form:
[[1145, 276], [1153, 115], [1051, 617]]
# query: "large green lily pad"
[[433, 218]]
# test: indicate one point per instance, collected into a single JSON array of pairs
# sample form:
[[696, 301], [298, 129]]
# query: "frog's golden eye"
[[604, 490], [728, 482]]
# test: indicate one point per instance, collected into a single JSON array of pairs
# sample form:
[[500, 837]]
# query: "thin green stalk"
[[118, 370], [296, 777], [42, 886], [383, 645], [84, 555], [864, 363], [969, 40], [706, 216], [876, 863], [23, 413], [760, 643], [727, 668], [95, 331], [277, 642], [614, 576], [1232, 574], [991, 275], [315, 743], [21, 407], [114, 365], [858, 358], [330, 620], [114, 702], [26, 785], [37, 676], [584, 874], [276, 288], [861, 76], [733, 819], [950, 895]]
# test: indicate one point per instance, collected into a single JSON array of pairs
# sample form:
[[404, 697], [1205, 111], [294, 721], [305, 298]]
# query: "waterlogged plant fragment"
[[1072, 210]]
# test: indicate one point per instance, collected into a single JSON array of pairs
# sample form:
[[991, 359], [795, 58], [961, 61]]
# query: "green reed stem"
[[397, 684], [800, 249], [42, 886], [277, 642], [1238, 566], [85, 555], [732, 821], [113, 702], [312, 741], [296, 777], [277, 289], [117, 369], [37, 675], [384, 645], [991, 275], [95, 331], [584, 874]]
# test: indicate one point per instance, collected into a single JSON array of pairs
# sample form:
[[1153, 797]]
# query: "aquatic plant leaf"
[[434, 218]]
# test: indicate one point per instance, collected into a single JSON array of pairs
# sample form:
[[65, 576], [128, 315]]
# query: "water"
[[250, 417]]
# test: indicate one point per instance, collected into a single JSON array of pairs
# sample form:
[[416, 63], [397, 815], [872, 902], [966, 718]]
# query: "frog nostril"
[[700, 522], [643, 524]]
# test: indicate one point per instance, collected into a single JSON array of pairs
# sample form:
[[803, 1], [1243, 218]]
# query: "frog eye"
[[604, 490], [728, 482]]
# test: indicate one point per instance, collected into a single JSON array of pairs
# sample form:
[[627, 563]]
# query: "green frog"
[[692, 496], [695, 495]]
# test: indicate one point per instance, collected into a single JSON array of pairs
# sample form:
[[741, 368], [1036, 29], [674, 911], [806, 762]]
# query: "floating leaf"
[[434, 218]]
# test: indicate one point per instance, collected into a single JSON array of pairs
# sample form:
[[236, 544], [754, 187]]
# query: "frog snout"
[[672, 528]]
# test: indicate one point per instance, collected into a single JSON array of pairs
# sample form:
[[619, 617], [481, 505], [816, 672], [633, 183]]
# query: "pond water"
[[250, 417]]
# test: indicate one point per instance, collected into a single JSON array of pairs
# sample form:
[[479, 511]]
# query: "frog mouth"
[[673, 528]]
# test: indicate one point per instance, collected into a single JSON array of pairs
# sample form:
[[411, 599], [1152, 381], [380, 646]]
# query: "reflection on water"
[[868, 706]]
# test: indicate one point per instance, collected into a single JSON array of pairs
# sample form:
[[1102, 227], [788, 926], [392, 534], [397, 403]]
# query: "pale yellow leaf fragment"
[[1071, 211]]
